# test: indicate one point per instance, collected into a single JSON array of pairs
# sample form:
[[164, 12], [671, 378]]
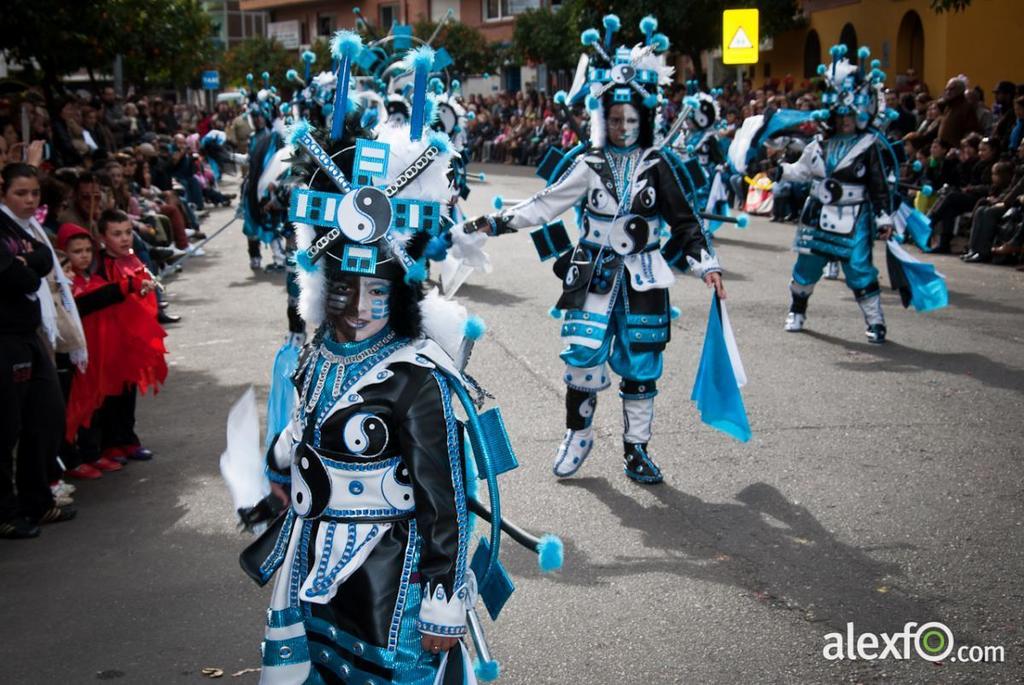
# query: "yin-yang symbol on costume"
[[833, 192], [586, 409], [630, 235], [704, 115], [396, 487], [572, 275], [623, 73], [364, 215], [311, 485], [645, 199], [600, 201], [365, 435]]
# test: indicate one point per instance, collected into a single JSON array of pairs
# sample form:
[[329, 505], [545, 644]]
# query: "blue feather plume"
[[346, 45], [297, 131], [474, 328], [550, 553]]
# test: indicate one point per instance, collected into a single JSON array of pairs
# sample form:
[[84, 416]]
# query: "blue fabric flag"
[[919, 283], [281, 400], [720, 375]]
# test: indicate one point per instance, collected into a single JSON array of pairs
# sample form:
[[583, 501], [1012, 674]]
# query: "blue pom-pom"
[[742, 221], [892, 114], [291, 75], [862, 117], [917, 166], [304, 262], [550, 553], [248, 78], [420, 59], [417, 273], [328, 109], [560, 97], [286, 109], [470, 116], [437, 249], [498, 202], [486, 670], [927, 190], [308, 56], [648, 25], [651, 101], [690, 149], [593, 102], [660, 42], [487, 76], [368, 118], [611, 22], [297, 131], [590, 36], [474, 328], [456, 84], [483, 176], [675, 313], [875, 63], [864, 52], [265, 76], [440, 141], [835, 51], [555, 313], [843, 49], [821, 70], [346, 45]]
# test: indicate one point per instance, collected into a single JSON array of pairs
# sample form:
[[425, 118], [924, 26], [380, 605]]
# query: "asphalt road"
[[882, 485]]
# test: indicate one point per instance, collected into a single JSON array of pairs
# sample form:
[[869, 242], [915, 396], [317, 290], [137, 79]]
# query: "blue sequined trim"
[[455, 462], [299, 566], [353, 466], [367, 513], [321, 585], [271, 563], [283, 618], [275, 477], [436, 629], [403, 588], [285, 652]]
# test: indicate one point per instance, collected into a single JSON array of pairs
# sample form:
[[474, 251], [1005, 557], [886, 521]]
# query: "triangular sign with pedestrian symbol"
[[740, 41], [740, 36]]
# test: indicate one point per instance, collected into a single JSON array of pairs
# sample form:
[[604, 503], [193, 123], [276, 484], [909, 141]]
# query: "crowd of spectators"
[[963, 160], [100, 197]]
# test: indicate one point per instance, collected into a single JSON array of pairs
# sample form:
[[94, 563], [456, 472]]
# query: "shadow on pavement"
[[751, 245], [983, 304], [484, 295], [895, 358], [765, 545]]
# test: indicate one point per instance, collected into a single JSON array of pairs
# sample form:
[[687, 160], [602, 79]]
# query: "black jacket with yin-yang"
[[378, 500], [625, 200]]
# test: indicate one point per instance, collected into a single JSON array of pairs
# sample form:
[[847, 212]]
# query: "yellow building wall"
[[983, 42]]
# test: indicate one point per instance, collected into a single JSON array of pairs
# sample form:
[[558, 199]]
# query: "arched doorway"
[[848, 37], [812, 54], [910, 45]]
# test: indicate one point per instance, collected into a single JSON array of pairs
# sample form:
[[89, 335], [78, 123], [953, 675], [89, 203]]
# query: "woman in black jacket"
[[33, 411]]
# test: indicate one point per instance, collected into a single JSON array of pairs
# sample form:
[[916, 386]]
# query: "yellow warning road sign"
[[739, 36]]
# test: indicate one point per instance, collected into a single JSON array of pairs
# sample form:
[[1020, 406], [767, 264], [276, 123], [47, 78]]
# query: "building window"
[[324, 25], [496, 10], [388, 16], [848, 37], [812, 54]]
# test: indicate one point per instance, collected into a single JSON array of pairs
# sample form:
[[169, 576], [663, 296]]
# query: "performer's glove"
[[493, 224]]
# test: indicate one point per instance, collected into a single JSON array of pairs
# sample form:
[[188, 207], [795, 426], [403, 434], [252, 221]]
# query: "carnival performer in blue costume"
[[614, 304], [262, 223], [375, 580], [850, 203]]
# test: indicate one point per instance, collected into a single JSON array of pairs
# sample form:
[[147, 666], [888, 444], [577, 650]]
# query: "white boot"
[[573, 451], [795, 322], [832, 271]]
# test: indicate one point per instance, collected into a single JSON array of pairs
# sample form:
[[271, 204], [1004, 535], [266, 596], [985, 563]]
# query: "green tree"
[[257, 55], [165, 42], [470, 51]]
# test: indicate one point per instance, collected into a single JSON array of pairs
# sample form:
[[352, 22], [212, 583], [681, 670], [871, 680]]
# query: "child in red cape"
[[126, 346]]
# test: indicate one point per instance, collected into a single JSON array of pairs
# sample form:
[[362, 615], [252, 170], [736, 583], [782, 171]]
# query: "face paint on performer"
[[847, 124], [358, 307], [623, 125]]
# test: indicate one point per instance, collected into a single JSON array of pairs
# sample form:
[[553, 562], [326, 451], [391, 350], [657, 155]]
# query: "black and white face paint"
[[623, 125]]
